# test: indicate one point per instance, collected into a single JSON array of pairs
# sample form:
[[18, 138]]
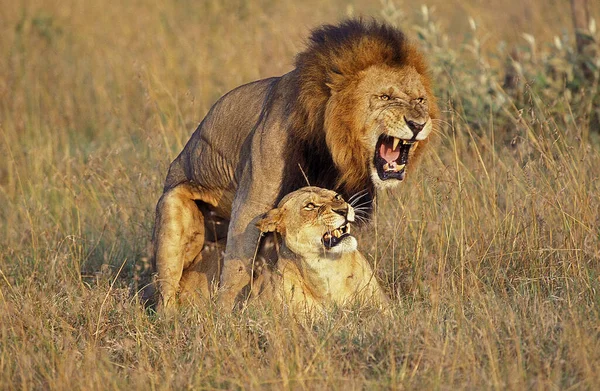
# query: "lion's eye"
[[384, 97], [309, 206], [338, 197], [421, 100]]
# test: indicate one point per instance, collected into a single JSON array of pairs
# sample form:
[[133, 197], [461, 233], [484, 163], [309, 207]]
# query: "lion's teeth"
[[396, 142], [400, 167], [347, 228], [337, 233]]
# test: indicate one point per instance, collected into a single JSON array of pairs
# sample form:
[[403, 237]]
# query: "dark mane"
[[333, 59], [344, 50]]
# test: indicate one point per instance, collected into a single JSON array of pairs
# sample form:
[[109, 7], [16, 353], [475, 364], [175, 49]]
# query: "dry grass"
[[491, 252]]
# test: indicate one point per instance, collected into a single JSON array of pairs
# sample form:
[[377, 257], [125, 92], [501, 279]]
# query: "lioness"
[[353, 115], [319, 264]]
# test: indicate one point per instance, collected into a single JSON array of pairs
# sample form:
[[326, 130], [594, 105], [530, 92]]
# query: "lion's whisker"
[[441, 121]]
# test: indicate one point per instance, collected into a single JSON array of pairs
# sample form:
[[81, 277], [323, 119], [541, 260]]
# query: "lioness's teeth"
[[396, 142], [347, 228]]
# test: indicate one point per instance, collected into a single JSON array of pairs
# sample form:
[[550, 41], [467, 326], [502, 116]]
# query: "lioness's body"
[[318, 264], [310, 284], [348, 117]]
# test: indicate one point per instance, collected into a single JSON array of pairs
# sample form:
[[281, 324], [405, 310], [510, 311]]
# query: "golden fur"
[[309, 275], [333, 66], [352, 116]]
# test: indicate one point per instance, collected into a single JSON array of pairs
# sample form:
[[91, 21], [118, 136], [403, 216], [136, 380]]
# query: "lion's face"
[[313, 221], [396, 120], [391, 114]]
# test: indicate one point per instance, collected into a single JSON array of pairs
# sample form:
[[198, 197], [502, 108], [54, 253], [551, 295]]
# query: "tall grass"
[[490, 251]]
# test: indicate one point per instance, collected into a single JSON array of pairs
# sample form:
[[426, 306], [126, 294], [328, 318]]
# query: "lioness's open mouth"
[[391, 157], [335, 237]]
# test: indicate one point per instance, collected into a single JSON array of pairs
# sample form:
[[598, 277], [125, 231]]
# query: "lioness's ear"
[[271, 222]]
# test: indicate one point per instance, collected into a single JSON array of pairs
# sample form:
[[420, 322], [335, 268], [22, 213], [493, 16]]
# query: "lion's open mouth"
[[335, 237], [391, 157]]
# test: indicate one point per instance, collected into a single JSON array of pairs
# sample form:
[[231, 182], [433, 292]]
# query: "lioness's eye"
[[384, 97], [309, 206], [338, 197]]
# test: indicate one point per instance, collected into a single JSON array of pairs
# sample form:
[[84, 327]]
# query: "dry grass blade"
[[490, 249]]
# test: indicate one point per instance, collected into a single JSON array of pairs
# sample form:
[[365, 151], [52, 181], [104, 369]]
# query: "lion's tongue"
[[387, 152]]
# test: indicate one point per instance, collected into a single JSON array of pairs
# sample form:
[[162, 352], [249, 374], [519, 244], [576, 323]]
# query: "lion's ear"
[[271, 221]]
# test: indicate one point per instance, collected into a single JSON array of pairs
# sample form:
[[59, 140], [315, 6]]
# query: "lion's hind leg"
[[199, 282], [178, 241]]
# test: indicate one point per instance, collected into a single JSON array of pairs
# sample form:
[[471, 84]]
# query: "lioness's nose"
[[341, 211], [414, 126]]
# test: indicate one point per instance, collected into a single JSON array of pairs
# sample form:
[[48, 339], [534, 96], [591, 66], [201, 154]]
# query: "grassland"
[[491, 251]]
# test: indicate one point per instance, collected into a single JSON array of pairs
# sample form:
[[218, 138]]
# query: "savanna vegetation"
[[490, 250]]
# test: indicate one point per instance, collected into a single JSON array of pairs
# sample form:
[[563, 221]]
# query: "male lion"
[[353, 115]]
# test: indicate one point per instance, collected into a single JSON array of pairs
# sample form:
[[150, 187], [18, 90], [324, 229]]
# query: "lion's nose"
[[415, 127]]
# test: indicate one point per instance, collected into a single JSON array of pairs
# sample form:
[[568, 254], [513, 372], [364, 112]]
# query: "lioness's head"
[[312, 221], [377, 98]]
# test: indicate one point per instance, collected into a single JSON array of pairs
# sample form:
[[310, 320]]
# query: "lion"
[[353, 115]]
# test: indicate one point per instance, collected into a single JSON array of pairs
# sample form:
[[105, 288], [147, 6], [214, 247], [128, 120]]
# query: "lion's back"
[[212, 155]]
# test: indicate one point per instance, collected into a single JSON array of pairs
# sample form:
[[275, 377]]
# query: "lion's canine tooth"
[[396, 142], [400, 167]]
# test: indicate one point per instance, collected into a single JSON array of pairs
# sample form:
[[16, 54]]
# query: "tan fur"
[[309, 277], [318, 123]]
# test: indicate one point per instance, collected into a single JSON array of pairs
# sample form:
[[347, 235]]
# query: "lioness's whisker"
[[362, 205], [357, 196], [364, 215], [362, 219], [364, 212]]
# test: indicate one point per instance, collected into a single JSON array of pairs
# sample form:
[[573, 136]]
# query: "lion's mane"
[[334, 58]]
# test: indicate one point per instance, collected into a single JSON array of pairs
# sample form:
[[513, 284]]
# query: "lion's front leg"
[[242, 242], [255, 197]]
